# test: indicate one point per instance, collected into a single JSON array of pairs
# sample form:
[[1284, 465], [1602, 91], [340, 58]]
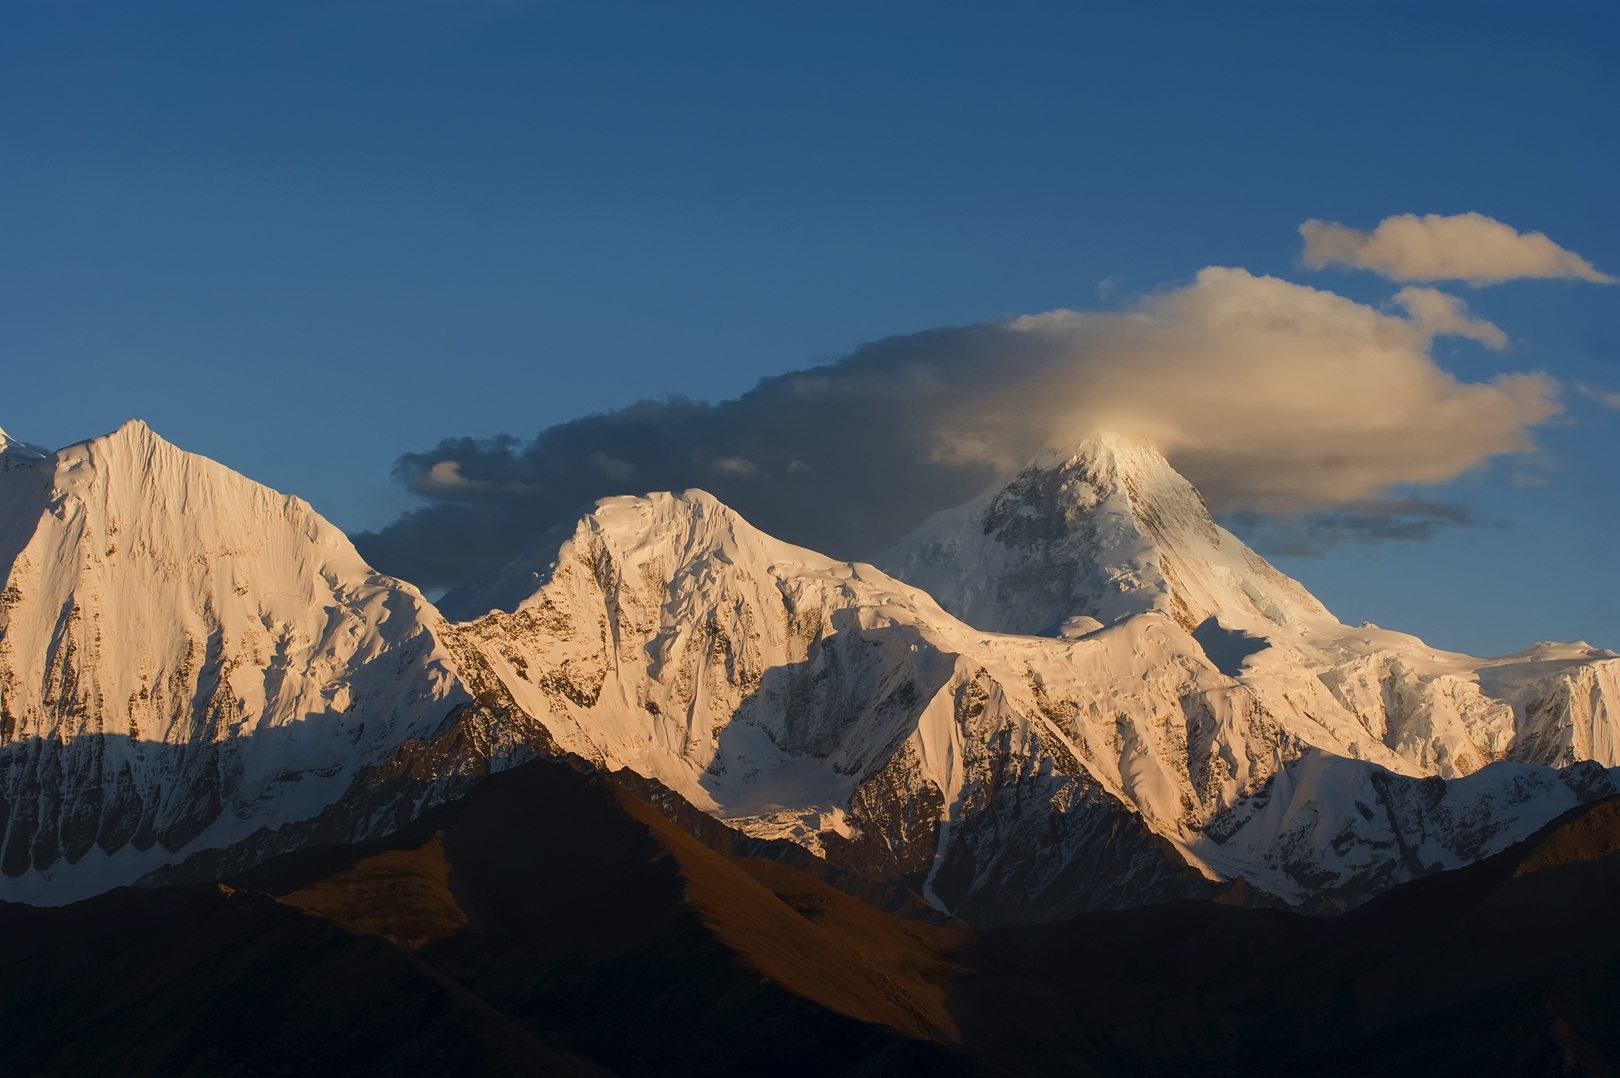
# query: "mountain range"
[[1076, 693]]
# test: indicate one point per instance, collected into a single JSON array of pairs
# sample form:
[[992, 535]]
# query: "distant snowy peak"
[[676, 528], [1088, 538], [12, 447]]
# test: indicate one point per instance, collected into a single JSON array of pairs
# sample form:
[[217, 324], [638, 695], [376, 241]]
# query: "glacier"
[[1075, 692]]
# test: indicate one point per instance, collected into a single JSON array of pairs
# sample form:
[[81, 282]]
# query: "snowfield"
[[1074, 692]]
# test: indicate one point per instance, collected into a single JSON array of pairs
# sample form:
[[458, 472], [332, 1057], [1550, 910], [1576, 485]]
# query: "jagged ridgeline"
[[1112, 701]]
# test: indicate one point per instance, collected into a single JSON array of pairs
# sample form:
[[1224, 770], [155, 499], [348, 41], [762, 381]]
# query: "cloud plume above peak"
[[1270, 396], [1466, 247]]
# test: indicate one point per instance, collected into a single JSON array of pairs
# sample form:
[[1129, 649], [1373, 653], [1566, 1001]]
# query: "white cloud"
[[1605, 397], [1269, 395], [1436, 313], [445, 478], [1469, 247]]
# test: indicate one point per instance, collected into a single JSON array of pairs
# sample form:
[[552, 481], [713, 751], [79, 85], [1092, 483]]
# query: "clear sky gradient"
[[305, 239]]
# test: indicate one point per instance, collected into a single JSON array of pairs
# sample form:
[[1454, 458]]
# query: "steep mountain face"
[[1007, 778], [800, 698], [197, 673], [1085, 539], [1088, 538], [185, 657]]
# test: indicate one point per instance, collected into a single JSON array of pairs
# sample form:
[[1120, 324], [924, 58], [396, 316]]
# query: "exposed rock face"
[[1104, 532], [1085, 539], [195, 670], [1006, 777]]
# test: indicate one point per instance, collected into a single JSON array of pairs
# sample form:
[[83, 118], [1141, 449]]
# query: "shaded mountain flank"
[[1102, 700], [557, 921]]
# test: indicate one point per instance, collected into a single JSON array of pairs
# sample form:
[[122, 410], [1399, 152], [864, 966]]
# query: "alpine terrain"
[[1074, 693]]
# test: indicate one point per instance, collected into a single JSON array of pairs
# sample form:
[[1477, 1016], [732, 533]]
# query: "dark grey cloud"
[[1311, 535], [839, 458], [1269, 396]]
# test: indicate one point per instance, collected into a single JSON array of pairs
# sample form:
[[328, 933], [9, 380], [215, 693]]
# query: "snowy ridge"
[[1104, 532], [823, 702], [1110, 531], [185, 656], [10, 446], [1127, 706], [1328, 827]]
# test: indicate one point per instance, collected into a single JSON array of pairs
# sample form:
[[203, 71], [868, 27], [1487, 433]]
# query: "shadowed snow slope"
[[185, 657], [195, 669], [1008, 778]]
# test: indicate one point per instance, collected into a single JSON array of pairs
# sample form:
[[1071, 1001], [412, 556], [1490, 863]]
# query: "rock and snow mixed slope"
[[1132, 706], [1090, 538], [185, 657], [1087, 538], [1008, 777], [1111, 532]]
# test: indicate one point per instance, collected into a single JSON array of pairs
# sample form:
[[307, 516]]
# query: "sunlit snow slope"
[[1118, 702], [1018, 776], [1090, 538], [185, 657]]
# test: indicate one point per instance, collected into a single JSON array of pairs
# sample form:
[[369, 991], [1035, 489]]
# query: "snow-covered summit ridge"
[[13, 447], [1091, 536], [676, 526], [1110, 531], [185, 656], [799, 697]]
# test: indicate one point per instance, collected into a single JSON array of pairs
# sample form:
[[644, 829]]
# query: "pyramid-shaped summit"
[[1088, 537], [186, 656]]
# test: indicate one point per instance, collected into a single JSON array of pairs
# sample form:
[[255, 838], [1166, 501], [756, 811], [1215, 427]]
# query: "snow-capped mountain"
[[1090, 538], [1008, 777], [1087, 538], [185, 657], [10, 446], [1112, 702]]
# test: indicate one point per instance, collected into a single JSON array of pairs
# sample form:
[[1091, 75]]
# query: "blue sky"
[[306, 239]]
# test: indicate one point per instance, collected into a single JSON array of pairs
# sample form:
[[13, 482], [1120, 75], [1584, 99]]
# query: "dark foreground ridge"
[[555, 922]]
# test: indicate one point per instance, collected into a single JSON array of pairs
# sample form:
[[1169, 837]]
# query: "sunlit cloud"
[[1270, 396], [1466, 247], [1606, 397]]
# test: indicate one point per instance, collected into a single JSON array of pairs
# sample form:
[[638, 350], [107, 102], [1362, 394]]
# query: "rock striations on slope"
[[1112, 702], [1006, 777], [185, 657], [1087, 538]]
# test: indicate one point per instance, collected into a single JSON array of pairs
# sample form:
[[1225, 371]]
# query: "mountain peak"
[[1095, 534], [13, 447], [686, 524], [1127, 449], [227, 646]]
